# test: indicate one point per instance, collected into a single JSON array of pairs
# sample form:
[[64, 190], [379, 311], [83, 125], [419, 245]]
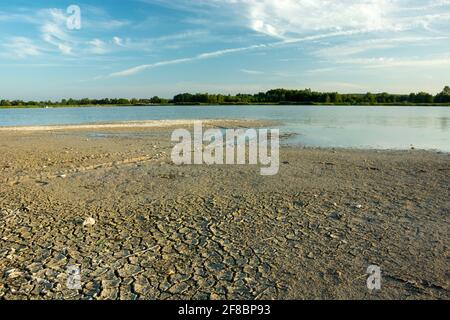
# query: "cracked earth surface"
[[217, 232]]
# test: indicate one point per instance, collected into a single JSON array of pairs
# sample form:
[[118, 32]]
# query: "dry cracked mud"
[[217, 232]]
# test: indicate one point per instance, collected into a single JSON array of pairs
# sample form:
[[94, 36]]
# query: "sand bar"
[[131, 125]]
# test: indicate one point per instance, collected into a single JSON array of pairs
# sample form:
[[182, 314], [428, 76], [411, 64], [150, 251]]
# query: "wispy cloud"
[[252, 72], [293, 18], [118, 41], [21, 47], [54, 30], [357, 47], [387, 62], [51, 25], [98, 46], [294, 21], [219, 53], [174, 40], [109, 24], [202, 56]]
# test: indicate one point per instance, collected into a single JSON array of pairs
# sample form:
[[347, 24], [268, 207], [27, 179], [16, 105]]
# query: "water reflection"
[[445, 123]]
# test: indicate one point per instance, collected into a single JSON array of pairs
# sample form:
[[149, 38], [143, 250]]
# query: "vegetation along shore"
[[276, 96]]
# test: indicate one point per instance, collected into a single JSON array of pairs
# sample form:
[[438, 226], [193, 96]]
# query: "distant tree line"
[[85, 102], [280, 96], [277, 96]]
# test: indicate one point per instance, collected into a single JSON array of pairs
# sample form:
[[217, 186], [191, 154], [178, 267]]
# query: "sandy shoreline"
[[129, 125], [216, 232]]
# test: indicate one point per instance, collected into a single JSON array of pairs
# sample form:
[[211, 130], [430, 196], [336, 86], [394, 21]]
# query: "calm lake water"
[[316, 126]]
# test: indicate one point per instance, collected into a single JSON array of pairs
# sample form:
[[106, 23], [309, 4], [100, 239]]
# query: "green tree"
[[370, 98], [444, 96]]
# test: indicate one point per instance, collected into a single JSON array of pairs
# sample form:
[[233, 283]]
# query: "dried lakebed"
[[161, 231]]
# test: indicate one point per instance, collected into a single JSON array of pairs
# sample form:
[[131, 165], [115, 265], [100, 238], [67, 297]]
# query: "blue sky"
[[141, 48]]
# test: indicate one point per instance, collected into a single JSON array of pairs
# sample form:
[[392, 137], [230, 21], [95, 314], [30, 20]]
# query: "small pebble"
[[89, 222]]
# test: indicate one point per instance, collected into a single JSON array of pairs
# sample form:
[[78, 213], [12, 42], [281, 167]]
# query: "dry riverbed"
[[160, 231]]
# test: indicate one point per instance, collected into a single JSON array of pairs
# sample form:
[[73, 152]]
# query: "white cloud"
[[65, 49], [289, 18], [252, 72], [21, 47], [52, 26], [292, 18], [118, 41], [388, 62], [219, 53], [98, 46], [166, 41], [356, 47], [202, 56], [188, 34], [296, 21], [53, 30], [111, 24]]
